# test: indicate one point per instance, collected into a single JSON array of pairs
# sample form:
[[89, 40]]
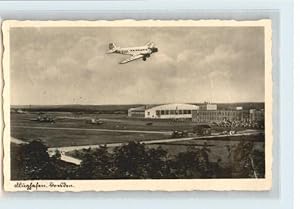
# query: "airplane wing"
[[133, 57]]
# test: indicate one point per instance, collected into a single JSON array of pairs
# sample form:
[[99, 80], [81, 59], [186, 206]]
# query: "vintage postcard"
[[137, 105]]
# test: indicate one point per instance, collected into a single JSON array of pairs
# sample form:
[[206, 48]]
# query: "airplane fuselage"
[[135, 50]]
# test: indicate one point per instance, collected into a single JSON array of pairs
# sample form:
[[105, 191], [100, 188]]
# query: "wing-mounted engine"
[[146, 56]]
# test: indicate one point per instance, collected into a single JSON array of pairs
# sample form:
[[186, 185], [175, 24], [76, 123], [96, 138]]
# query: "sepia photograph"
[[137, 105]]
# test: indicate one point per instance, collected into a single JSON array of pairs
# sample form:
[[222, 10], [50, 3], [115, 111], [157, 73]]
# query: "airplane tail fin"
[[150, 44], [112, 48]]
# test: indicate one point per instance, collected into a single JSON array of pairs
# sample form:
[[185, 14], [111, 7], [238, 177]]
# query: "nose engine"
[[154, 49]]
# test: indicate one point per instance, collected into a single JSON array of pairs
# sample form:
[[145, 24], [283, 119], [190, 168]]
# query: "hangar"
[[165, 111], [137, 112]]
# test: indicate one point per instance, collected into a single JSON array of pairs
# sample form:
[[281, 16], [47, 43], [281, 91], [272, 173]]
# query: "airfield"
[[72, 131], [75, 130]]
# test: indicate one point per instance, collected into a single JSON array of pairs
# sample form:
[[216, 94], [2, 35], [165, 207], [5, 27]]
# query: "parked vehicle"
[[44, 118], [95, 121], [179, 134]]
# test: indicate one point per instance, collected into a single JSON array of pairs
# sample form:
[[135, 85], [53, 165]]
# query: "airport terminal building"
[[204, 116], [208, 113], [165, 111]]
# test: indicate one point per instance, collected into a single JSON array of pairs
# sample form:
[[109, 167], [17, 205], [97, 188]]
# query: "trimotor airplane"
[[135, 52]]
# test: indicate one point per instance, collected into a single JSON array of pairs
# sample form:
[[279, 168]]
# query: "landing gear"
[[144, 58]]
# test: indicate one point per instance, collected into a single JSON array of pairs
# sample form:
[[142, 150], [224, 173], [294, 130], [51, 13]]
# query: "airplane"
[[139, 52]]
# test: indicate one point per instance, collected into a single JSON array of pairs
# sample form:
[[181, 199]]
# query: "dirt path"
[[17, 141], [64, 157]]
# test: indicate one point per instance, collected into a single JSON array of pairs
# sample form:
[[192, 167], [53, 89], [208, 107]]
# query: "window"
[[167, 112], [180, 112], [172, 112], [148, 113], [157, 112], [189, 112]]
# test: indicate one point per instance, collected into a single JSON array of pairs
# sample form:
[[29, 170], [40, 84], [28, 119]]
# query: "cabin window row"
[[132, 50]]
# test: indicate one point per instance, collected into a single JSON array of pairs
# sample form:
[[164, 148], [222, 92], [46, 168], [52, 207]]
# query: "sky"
[[55, 66]]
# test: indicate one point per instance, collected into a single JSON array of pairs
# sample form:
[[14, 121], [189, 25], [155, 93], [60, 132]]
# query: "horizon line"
[[135, 103]]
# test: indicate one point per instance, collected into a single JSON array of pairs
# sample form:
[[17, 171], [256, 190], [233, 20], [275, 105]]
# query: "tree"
[[57, 155], [96, 164], [194, 163], [187, 164], [17, 162], [32, 162], [156, 163], [259, 162], [36, 160], [248, 162], [131, 161], [204, 152]]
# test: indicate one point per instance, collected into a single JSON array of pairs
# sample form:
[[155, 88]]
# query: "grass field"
[[23, 127], [111, 121], [59, 138]]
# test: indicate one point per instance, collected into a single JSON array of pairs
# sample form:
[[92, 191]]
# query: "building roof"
[[174, 106], [151, 106], [166, 106], [139, 108]]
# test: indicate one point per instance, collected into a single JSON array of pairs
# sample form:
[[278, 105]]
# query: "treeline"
[[134, 161], [103, 109]]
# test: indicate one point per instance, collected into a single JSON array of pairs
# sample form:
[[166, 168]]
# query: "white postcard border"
[[145, 185]]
